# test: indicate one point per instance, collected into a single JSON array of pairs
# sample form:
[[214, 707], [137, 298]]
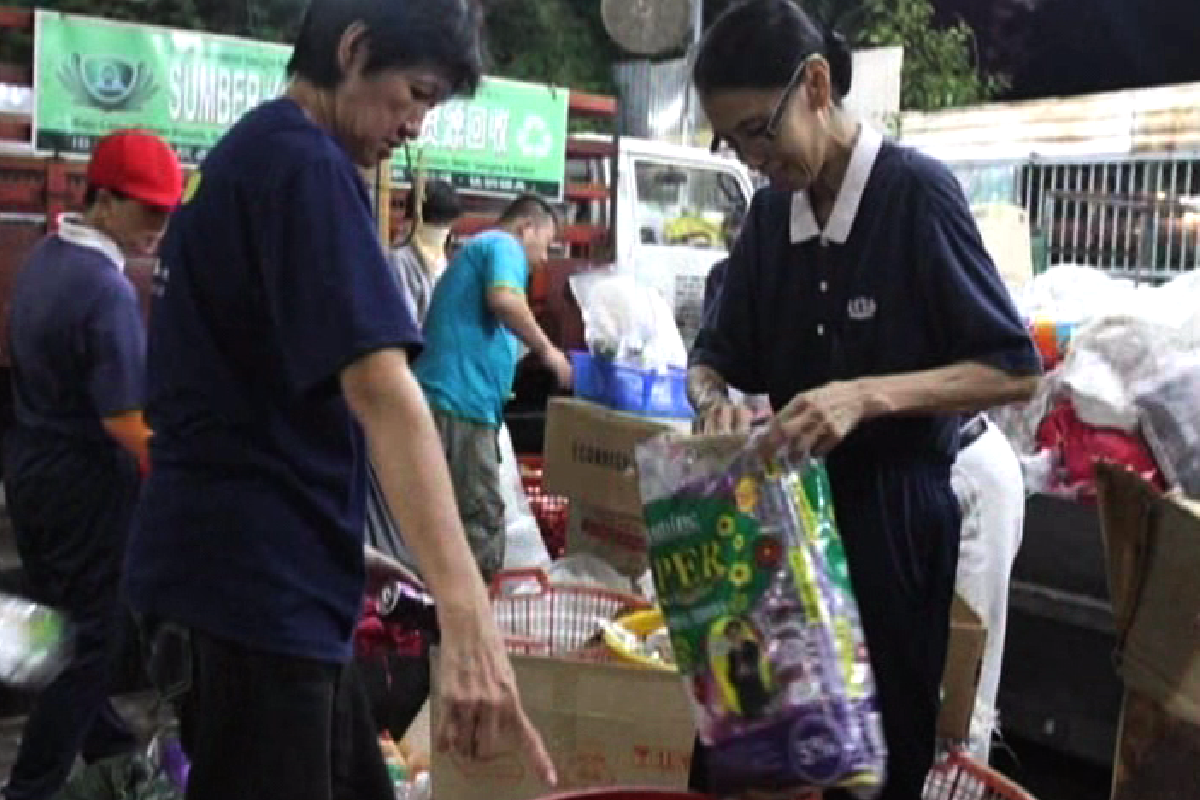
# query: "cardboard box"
[[590, 458], [604, 724], [619, 540], [960, 681], [590, 454], [1153, 547]]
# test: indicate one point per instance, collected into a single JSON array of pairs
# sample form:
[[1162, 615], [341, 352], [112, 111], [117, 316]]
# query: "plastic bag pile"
[[628, 323], [1123, 384]]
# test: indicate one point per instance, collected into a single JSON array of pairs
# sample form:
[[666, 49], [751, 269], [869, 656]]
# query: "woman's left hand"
[[815, 422]]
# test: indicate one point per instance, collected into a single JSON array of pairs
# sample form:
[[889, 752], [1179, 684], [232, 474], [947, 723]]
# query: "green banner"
[[509, 138], [92, 76]]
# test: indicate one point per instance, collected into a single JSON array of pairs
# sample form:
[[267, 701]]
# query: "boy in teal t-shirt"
[[478, 315]]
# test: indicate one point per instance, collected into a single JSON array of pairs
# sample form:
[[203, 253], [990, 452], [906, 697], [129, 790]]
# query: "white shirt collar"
[[845, 209], [73, 230]]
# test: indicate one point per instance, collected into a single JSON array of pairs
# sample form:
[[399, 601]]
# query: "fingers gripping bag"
[[752, 578]]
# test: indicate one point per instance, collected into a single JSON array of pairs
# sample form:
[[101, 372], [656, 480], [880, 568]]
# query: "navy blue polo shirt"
[[907, 286], [273, 281], [76, 339]]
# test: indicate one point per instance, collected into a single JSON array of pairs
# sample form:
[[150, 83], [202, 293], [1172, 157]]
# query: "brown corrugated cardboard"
[[1153, 546], [605, 725], [960, 681], [618, 539], [589, 454]]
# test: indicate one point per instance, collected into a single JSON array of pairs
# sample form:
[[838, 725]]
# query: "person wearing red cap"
[[72, 461]]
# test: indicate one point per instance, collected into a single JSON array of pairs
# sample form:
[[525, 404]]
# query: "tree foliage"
[[269, 20], [941, 68], [940, 65], [563, 42]]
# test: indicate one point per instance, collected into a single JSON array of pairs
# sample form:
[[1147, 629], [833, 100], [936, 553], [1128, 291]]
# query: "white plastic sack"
[[1174, 305], [586, 570], [524, 547], [628, 322], [990, 487], [1169, 406], [1020, 421], [1073, 294], [1108, 358]]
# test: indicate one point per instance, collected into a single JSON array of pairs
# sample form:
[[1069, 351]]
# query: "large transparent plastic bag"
[[1169, 406], [628, 323]]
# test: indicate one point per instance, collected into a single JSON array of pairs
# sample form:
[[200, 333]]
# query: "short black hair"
[[445, 35], [780, 35], [530, 207], [442, 204]]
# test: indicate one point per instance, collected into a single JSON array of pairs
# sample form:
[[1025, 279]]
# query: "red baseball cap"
[[140, 166]]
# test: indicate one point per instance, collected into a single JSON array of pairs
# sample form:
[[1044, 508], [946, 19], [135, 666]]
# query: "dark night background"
[[1063, 47]]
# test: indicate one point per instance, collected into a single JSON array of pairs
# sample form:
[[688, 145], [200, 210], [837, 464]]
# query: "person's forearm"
[[130, 431], [962, 388], [706, 388], [412, 472], [513, 311]]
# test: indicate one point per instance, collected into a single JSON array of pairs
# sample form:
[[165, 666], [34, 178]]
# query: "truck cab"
[[672, 206]]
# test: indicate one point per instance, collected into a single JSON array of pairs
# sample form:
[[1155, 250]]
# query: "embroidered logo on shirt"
[[862, 309]]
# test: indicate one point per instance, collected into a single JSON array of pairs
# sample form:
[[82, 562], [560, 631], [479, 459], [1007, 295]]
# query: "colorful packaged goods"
[[1052, 340], [752, 578]]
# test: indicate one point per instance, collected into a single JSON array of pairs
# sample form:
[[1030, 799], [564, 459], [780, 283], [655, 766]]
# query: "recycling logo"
[[535, 140], [108, 83]]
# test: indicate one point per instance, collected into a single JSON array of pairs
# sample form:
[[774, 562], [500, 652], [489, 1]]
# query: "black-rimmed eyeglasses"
[[770, 131]]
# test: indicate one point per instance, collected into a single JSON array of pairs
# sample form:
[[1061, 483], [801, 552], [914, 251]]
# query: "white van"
[[674, 204]]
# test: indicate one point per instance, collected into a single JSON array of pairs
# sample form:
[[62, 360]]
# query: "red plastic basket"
[[550, 510], [959, 777], [956, 777], [537, 618]]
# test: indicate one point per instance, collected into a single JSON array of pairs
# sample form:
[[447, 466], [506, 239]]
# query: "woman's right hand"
[[724, 416], [481, 713]]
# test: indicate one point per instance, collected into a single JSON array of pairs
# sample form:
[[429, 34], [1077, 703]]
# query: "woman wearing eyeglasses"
[[861, 299]]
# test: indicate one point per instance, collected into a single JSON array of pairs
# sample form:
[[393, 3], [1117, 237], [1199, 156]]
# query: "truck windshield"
[[686, 205]]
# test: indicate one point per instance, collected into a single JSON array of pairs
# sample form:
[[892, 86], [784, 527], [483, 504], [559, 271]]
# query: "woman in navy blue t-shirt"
[[861, 299]]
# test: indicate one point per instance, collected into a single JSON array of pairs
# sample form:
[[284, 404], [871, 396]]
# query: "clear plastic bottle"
[[421, 787], [34, 643]]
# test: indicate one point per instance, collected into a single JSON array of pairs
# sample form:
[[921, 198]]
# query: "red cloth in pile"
[[1079, 446]]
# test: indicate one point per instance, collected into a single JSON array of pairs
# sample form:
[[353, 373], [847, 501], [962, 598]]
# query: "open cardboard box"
[[1153, 546], [590, 458], [960, 681], [605, 725]]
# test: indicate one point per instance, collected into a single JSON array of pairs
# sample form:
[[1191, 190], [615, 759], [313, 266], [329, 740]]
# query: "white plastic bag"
[[524, 547], [1073, 294], [1108, 357], [627, 322], [586, 570], [1169, 407]]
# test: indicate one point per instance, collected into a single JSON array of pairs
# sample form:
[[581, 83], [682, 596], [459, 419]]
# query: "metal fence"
[[1135, 217]]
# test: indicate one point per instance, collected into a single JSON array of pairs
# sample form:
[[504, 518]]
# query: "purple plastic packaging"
[[753, 581]]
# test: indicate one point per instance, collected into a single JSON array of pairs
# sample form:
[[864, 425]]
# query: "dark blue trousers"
[[71, 505]]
